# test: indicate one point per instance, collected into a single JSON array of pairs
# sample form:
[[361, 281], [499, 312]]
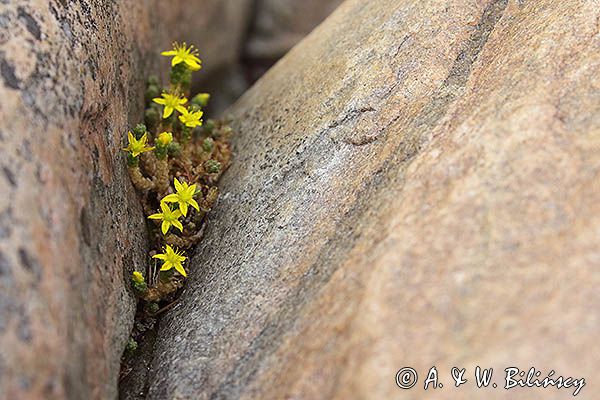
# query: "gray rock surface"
[[418, 189]]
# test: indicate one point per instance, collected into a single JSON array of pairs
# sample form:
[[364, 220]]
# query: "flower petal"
[[194, 204], [167, 112], [165, 207], [170, 198], [180, 269], [166, 266], [165, 227], [156, 216], [178, 185], [159, 100], [192, 65], [177, 225], [160, 256], [176, 60], [194, 58], [183, 207], [168, 53]]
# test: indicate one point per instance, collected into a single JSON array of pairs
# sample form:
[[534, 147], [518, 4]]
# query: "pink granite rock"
[[72, 80]]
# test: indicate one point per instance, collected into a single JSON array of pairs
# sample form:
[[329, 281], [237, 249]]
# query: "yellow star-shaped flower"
[[136, 147], [168, 217], [191, 119], [172, 259], [182, 54], [171, 102], [184, 196]]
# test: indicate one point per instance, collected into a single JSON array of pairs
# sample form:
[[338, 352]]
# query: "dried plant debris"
[[175, 160]]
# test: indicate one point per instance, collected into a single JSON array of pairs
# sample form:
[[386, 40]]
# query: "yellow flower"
[[184, 196], [181, 53], [165, 138], [171, 102], [136, 147], [191, 119], [168, 217], [137, 277], [171, 258]]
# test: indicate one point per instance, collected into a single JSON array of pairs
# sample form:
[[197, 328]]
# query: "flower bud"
[[139, 284], [137, 277], [164, 139], [201, 99]]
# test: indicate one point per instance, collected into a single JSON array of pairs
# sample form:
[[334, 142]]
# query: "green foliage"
[[131, 346], [212, 166]]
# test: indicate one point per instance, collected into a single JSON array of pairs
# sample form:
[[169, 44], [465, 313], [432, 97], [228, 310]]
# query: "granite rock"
[[72, 79]]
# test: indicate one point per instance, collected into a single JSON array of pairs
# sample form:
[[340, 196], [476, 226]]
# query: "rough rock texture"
[[71, 230], [418, 189]]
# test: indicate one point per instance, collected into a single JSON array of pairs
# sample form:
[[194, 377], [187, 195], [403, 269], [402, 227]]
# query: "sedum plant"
[[174, 160]]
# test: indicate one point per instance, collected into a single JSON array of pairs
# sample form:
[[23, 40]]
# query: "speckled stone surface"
[[71, 229], [418, 189]]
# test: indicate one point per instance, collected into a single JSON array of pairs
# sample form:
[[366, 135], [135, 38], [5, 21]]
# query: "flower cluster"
[[175, 160]]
